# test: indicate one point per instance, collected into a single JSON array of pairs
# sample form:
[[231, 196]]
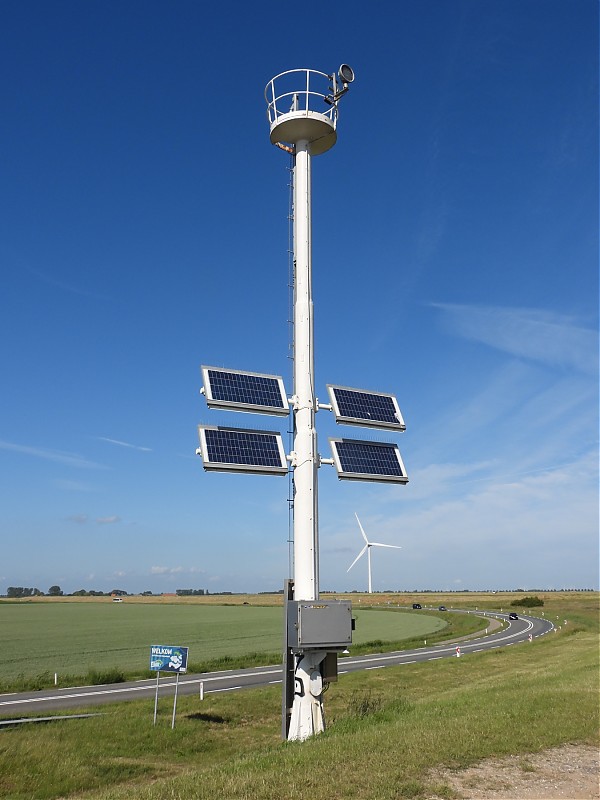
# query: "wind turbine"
[[368, 547]]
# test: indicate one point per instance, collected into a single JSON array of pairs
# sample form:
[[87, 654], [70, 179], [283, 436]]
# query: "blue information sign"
[[168, 658]]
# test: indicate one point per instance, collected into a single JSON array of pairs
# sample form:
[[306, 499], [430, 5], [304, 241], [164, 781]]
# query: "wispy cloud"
[[73, 486], [542, 336], [108, 520], [434, 478], [165, 570], [175, 570], [80, 519], [58, 456], [124, 444], [64, 286]]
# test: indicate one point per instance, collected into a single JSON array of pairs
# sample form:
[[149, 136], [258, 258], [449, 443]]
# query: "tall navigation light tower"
[[302, 108]]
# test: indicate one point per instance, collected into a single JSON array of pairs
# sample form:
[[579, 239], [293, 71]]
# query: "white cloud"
[[542, 527], [542, 336], [67, 287], [493, 527], [73, 486], [434, 478], [124, 444], [108, 520], [176, 570], [81, 519], [60, 457], [164, 570]]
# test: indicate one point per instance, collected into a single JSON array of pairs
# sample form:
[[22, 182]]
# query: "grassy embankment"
[[387, 730]]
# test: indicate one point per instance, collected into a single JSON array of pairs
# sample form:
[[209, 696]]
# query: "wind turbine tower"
[[367, 548]]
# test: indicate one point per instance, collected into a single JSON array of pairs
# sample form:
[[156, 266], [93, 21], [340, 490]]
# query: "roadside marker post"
[[458, 652], [175, 701], [156, 697]]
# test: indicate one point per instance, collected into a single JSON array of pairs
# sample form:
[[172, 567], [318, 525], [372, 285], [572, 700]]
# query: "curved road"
[[52, 700]]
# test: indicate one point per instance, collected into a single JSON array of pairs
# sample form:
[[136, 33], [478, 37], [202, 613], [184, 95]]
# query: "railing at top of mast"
[[304, 91]]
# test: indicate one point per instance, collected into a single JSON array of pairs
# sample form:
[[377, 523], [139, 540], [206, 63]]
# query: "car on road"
[[417, 605], [442, 608], [512, 615]]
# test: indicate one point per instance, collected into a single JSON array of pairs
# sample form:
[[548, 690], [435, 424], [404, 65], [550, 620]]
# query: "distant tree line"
[[17, 592], [56, 591], [23, 591]]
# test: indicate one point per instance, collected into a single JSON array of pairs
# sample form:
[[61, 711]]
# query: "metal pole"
[[175, 701], [307, 708], [305, 467], [156, 697]]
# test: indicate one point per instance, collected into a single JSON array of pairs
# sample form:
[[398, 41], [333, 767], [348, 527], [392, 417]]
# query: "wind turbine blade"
[[357, 557], [378, 544], [361, 528]]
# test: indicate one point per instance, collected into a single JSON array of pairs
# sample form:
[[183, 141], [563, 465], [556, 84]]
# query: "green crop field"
[[75, 638]]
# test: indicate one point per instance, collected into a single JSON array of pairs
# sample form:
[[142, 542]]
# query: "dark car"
[[442, 608], [512, 615], [417, 605]]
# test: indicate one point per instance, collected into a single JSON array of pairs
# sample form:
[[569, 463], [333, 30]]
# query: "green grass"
[[402, 721], [83, 642]]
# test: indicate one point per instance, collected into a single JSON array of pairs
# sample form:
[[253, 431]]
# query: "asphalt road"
[[15, 705]]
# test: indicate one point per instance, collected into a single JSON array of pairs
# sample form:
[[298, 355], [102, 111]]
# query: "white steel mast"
[[306, 577], [303, 121]]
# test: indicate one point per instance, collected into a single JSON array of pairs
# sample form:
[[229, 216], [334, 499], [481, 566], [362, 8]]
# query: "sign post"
[[168, 658], [156, 697]]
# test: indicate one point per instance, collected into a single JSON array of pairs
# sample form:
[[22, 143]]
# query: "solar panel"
[[368, 461], [237, 450], [369, 409], [244, 391]]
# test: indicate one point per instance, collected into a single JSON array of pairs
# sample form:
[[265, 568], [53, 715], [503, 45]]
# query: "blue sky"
[[143, 232]]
